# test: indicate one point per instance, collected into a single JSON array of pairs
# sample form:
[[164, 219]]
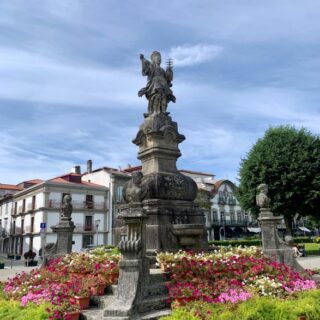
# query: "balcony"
[[85, 228], [231, 223], [56, 204]]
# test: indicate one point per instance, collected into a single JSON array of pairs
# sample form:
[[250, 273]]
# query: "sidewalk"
[[12, 267], [312, 262]]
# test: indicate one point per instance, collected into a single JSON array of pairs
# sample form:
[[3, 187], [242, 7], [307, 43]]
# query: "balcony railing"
[[232, 223], [85, 228], [56, 204]]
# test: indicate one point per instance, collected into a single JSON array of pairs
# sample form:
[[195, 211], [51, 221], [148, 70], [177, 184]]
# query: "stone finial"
[[157, 90], [66, 209], [262, 199]]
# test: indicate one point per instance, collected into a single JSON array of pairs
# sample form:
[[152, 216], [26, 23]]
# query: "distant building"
[[114, 180], [224, 216], [41, 201]]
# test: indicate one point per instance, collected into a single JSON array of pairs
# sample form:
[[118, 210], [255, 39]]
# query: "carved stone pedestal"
[[64, 230], [272, 245], [134, 267]]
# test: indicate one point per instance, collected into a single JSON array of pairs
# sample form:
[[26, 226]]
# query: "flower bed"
[[229, 277], [64, 279]]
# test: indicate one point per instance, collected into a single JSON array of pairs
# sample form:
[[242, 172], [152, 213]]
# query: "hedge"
[[305, 303], [255, 242]]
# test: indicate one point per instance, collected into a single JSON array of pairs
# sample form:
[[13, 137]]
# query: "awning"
[[304, 229], [255, 230]]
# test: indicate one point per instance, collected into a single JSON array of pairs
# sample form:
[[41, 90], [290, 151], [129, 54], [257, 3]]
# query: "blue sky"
[[70, 73]]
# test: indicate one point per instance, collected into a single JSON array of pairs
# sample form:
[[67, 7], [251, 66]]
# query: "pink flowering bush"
[[232, 278], [233, 296], [58, 283]]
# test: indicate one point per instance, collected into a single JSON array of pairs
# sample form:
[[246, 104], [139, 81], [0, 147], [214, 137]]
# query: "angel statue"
[[262, 199], [157, 90]]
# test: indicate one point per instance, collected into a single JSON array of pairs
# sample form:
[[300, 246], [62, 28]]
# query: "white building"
[[7, 192], [114, 180], [41, 203], [225, 219]]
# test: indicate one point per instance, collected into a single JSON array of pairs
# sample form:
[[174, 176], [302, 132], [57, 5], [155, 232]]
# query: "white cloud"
[[32, 77], [191, 55]]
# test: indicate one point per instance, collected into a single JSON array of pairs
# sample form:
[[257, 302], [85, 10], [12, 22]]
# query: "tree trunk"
[[288, 223]]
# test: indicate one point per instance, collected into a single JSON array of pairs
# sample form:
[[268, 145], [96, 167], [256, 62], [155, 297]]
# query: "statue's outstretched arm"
[[145, 64]]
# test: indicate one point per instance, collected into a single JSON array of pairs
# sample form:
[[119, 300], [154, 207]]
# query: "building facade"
[[41, 203], [224, 216], [114, 180]]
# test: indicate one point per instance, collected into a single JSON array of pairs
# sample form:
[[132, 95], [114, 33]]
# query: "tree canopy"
[[288, 160]]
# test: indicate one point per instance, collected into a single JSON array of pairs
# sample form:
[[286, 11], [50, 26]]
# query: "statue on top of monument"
[[66, 209], [157, 90], [262, 199]]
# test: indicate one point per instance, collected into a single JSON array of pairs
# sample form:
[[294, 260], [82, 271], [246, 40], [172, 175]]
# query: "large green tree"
[[288, 160]]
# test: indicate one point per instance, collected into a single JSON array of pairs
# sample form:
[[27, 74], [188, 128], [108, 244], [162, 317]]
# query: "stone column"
[[272, 245], [134, 267]]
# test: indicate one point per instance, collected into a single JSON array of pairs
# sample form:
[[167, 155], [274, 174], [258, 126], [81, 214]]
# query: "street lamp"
[[97, 222]]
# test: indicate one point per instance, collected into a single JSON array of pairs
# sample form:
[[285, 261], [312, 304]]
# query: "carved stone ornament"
[[157, 91], [66, 209], [262, 199]]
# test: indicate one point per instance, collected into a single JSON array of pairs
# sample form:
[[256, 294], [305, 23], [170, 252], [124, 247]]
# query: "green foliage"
[[180, 314], [259, 308], [235, 243], [11, 310], [288, 160]]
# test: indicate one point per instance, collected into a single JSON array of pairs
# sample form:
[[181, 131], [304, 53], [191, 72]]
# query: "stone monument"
[[272, 245], [64, 230], [166, 195], [159, 213]]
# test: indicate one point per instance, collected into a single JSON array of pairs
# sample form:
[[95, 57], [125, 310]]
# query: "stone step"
[[153, 303], [101, 301], [158, 276], [91, 314], [156, 289], [155, 315]]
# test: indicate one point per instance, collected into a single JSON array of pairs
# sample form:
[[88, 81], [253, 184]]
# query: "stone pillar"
[[134, 267], [272, 245], [64, 230]]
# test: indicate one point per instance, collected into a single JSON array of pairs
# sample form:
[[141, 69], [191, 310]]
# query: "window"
[[88, 223], [89, 201], [14, 227], [32, 224], [87, 240], [215, 215], [232, 216], [119, 197], [22, 226], [24, 205], [15, 207], [33, 202]]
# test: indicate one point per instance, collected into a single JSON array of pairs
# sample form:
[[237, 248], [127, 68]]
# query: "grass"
[[312, 249]]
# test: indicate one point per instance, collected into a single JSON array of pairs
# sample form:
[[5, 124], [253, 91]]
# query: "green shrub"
[[317, 240], [11, 310], [302, 240], [235, 243], [259, 308], [252, 242]]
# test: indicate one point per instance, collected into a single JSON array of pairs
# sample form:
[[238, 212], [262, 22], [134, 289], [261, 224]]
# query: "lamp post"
[[97, 222]]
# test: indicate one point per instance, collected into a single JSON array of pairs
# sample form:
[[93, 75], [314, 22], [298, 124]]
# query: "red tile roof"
[[9, 187], [34, 181], [74, 178], [133, 169]]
